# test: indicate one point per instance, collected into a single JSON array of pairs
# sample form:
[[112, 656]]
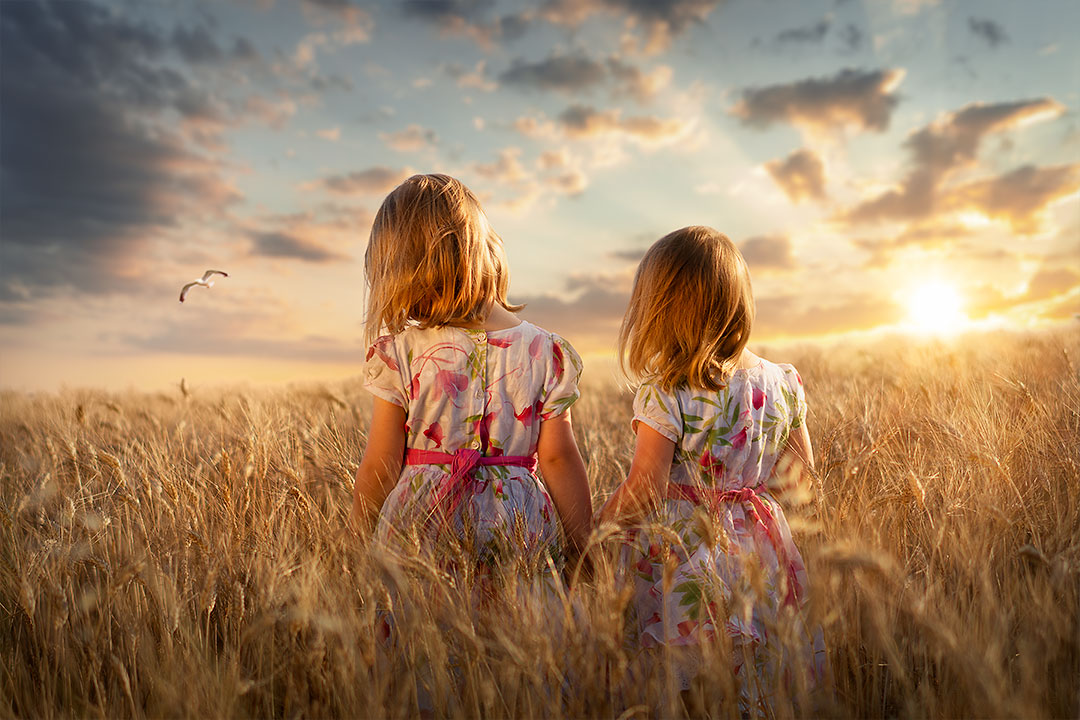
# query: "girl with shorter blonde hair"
[[710, 552], [470, 401]]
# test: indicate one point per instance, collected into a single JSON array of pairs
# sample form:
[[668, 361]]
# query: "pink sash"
[[758, 510], [460, 482]]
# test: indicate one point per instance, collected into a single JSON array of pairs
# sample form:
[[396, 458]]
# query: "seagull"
[[204, 281]]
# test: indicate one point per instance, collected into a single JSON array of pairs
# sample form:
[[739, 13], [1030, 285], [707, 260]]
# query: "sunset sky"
[[856, 151]]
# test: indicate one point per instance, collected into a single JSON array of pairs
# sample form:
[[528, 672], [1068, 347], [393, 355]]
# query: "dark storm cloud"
[[942, 147], [862, 99], [800, 175], [89, 175], [987, 30], [277, 244]]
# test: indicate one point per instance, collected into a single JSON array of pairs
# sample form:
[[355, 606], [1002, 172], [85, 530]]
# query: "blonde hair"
[[433, 259], [690, 312]]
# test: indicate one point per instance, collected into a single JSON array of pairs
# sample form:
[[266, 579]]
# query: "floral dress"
[[730, 566], [484, 394]]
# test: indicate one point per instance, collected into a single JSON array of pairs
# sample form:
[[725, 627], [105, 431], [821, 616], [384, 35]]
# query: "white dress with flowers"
[[727, 572], [484, 391]]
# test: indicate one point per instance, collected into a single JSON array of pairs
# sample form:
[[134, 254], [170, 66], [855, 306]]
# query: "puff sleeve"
[[561, 383], [659, 410], [794, 395], [383, 372]]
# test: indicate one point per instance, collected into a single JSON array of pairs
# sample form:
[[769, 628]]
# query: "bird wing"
[[183, 293], [208, 273]]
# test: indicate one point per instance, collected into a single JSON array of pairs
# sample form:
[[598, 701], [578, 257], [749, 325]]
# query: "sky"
[[869, 159]]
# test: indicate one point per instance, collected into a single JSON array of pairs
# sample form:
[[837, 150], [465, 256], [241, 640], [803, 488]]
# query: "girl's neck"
[[498, 318]]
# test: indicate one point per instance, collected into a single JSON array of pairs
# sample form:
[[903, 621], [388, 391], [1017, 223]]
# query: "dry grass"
[[184, 555]]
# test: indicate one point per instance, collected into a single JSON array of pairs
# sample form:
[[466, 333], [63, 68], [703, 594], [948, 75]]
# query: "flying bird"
[[204, 281]]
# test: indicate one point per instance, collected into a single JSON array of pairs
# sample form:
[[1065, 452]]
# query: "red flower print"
[[498, 487], [686, 627], [502, 342], [534, 346], [529, 414], [434, 433], [414, 386], [645, 568], [485, 428], [759, 398], [451, 383], [557, 357], [798, 377], [654, 551], [739, 440], [379, 348], [711, 464]]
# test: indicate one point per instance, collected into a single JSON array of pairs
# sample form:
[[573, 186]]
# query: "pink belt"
[[758, 510], [460, 482]]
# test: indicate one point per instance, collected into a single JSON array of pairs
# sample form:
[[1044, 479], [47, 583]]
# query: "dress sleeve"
[[659, 410], [382, 372], [561, 385], [794, 395]]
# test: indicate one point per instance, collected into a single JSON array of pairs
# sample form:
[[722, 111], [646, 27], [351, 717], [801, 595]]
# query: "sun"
[[936, 308]]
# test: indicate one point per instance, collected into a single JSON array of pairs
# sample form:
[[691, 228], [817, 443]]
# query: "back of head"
[[433, 258], [690, 312]]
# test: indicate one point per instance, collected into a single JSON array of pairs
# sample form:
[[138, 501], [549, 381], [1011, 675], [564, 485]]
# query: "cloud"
[[284, 245], [768, 252], [582, 121], [576, 73], [470, 18], [372, 181], [661, 20], [572, 182], [410, 139], [95, 168], [813, 33], [332, 134], [861, 99], [475, 79], [793, 316], [1019, 197], [851, 37], [942, 147], [800, 175], [507, 168], [987, 30]]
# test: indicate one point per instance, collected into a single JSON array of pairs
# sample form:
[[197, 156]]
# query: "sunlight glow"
[[936, 307]]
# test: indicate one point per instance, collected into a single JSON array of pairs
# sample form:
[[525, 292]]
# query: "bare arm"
[[794, 470], [381, 465], [564, 474], [645, 484]]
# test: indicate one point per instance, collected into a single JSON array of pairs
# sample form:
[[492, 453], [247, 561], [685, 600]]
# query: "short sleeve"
[[659, 410], [794, 395], [563, 375], [382, 372]]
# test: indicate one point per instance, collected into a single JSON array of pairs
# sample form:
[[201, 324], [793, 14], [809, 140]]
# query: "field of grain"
[[183, 554]]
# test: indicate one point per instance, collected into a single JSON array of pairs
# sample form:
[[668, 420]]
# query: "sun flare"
[[936, 307]]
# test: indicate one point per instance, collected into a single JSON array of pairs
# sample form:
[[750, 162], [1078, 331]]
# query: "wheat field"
[[183, 554]]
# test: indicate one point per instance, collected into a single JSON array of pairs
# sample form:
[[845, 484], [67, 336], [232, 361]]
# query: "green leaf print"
[[692, 595]]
